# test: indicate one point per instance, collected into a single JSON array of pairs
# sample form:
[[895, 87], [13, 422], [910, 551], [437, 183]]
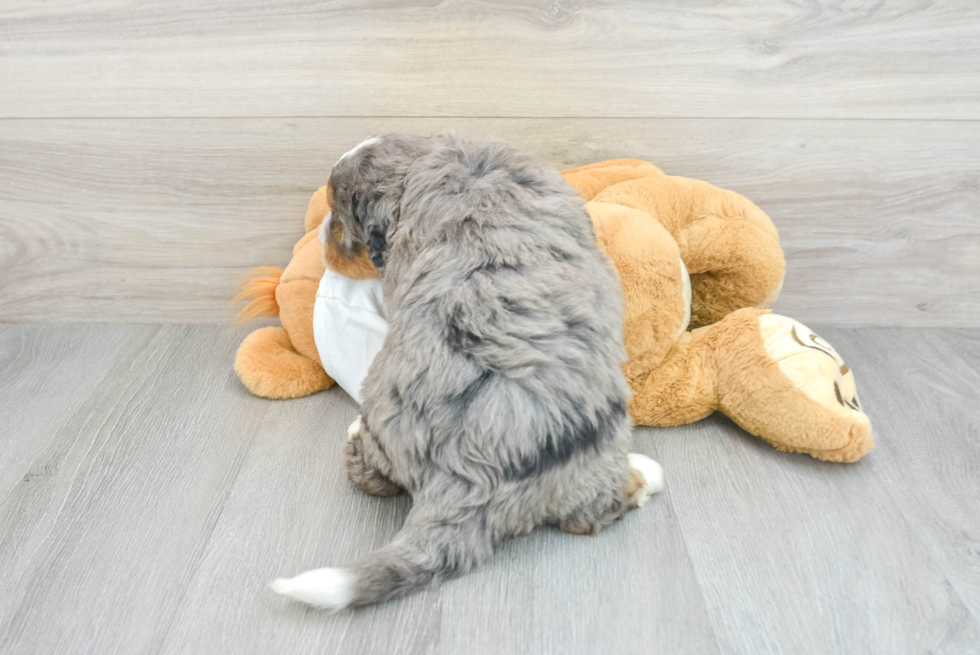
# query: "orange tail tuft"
[[260, 292]]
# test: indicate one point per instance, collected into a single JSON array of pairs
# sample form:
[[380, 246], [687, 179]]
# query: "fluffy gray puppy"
[[497, 400]]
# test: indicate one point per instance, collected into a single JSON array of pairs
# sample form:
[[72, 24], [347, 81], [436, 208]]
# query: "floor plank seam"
[[206, 541], [694, 569]]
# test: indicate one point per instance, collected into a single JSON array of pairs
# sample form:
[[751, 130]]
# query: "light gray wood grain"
[[931, 381], [155, 220], [632, 589], [900, 59], [795, 556], [154, 515], [46, 374], [293, 509], [99, 540]]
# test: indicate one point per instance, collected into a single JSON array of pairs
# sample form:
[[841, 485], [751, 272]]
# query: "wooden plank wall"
[[151, 151]]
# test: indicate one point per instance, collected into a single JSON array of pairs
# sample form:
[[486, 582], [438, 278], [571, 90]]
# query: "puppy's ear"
[[378, 246], [378, 219]]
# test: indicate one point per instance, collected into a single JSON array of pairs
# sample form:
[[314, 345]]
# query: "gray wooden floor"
[[146, 499]]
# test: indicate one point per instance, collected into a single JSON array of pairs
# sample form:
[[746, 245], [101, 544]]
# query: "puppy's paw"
[[354, 429], [361, 468], [354, 449], [646, 478]]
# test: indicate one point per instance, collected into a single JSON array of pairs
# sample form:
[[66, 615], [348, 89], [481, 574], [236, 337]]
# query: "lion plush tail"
[[260, 292]]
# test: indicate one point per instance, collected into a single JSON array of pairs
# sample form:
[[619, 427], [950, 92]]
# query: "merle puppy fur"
[[497, 400]]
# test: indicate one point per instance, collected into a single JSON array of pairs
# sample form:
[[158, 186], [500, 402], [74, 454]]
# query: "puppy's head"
[[364, 193]]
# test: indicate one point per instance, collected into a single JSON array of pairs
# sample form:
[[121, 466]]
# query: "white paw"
[[323, 588], [652, 472], [355, 429]]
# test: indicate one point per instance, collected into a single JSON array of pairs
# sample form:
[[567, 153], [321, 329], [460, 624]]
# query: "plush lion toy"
[[699, 267]]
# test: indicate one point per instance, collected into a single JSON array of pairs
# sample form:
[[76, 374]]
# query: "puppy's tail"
[[434, 544]]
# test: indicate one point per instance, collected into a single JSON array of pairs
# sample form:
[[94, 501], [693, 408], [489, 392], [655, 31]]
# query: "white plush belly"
[[350, 321]]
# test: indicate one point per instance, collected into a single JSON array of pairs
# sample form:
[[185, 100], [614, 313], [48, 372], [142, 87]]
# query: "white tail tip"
[[652, 473], [323, 588]]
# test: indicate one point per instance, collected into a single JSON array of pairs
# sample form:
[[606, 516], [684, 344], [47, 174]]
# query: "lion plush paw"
[[269, 366]]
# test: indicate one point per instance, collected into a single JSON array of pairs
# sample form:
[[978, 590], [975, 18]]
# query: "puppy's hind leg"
[[367, 465], [644, 479]]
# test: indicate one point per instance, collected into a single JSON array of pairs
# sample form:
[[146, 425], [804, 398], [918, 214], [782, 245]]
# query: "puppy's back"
[[507, 317]]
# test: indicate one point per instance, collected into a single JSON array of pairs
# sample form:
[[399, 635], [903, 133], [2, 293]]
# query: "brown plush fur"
[[284, 362], [646, 222], [725, 367], [729, 245], [260, 293], [283, 372], [646, 257]]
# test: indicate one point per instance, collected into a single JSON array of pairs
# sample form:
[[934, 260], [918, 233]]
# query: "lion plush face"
[[813, 365]]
